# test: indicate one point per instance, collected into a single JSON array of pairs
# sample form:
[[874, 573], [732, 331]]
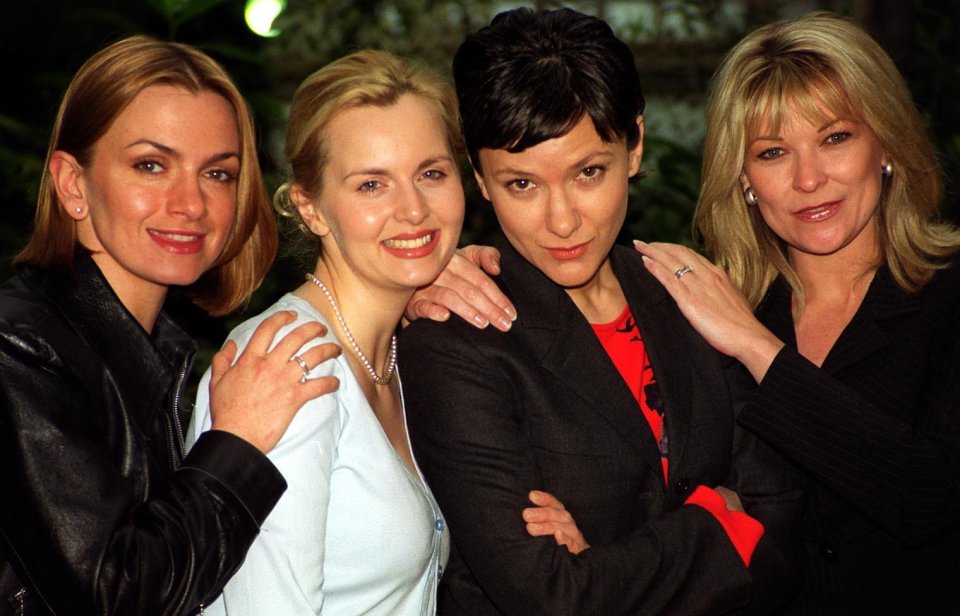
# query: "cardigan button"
[[682, 486], [439, 524]]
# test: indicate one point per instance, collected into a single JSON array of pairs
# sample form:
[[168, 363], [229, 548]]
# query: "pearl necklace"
[[391, 363]]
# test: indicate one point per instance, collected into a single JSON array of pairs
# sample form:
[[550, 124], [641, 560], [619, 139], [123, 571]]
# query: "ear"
[[309, 211], [481, 184], [636, 153], [66, 173], [744, 181]]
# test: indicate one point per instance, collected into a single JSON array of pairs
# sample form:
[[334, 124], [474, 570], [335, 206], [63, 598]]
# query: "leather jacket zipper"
[[177, 445], [18, 599]]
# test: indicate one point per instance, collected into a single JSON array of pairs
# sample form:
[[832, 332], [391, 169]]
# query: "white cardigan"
[[356, 532]]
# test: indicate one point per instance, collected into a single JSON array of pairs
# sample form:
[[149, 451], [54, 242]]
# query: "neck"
[[601, 300], [834, 275], [371, 314]]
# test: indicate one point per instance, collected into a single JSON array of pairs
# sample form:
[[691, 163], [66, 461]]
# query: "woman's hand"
[[256, 396], [714, 307], [550, 518], [466, 290], [730, 498]]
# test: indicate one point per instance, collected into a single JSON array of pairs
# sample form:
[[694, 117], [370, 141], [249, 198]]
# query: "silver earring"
[[886, 169], [750, 196]]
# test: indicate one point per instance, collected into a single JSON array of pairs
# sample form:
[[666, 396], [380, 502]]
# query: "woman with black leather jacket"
[[151, 180]]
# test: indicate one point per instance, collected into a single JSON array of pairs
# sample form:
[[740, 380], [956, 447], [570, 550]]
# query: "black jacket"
[[876, 433], [493, 415], [100, 513]]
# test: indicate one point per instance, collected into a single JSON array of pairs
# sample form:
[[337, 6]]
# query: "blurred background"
[[677, 45]]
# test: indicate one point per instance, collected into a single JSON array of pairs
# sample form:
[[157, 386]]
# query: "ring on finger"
[[686, 269], [303, 366]]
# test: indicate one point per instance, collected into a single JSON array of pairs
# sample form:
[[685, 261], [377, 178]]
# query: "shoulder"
[[426, 334], [305, 313], [31, 328], [945, 282]]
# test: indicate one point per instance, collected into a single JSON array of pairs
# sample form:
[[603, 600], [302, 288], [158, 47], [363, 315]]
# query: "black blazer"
[[876, 432], [493, 416]]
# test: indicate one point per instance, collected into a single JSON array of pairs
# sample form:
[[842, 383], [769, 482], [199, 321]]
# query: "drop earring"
[[750, 196]]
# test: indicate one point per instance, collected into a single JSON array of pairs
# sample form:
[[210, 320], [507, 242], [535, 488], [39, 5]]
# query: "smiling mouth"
[[175, 237], [409, 244], [818, 212]]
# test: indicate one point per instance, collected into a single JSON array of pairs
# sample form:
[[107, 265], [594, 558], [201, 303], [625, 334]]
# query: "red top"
[[622, 341]]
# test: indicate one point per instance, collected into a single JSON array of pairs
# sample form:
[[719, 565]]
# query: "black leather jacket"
[[100, 513]]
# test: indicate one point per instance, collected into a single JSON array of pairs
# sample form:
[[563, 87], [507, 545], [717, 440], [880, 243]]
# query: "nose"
[[413, 207], [187, 199], [808, 174], [562, 217]]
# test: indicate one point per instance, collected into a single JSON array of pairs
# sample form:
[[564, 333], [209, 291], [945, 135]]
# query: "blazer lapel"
[[862, 337], [866, 334], [664, 331], [571, 351]]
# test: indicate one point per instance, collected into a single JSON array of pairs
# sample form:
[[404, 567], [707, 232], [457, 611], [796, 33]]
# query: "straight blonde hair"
[[98, 93]]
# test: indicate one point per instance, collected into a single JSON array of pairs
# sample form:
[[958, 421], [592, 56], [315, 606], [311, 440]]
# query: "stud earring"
[[886, 169], [78, 210], [750, 196]]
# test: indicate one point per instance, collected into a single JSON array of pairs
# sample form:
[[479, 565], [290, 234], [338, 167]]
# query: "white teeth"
[[409, 244], [175, 237]]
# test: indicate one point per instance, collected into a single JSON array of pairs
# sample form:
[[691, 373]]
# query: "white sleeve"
[[283, 571]]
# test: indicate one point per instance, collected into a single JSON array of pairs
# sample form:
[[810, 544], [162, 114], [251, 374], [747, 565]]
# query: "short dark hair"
[[530, 76]]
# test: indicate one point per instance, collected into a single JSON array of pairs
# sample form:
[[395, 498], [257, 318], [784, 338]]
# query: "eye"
[[838, 137], [770, 154], [370, 186], [434, 174], [220, 175], [593, 172], [520, 185], [148, 166]]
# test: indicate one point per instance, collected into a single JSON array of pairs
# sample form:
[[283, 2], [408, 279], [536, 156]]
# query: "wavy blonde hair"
[[98, 93], [817, 65]]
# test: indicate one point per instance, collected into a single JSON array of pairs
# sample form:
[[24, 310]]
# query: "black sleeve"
[[470, 441], [71, 523], [770, 491], [899, 466]]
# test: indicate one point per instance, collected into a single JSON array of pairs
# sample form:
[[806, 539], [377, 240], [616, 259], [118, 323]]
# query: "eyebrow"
[[382, 171], [829, 124], [583, 162], [820, 129], [176, 154]]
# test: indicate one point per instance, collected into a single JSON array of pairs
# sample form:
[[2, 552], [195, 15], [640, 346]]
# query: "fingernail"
[[480, 321], [639, 243], [504, 324], [645, 258], [511, 312]]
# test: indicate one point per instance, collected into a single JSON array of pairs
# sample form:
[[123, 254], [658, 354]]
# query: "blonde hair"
[[817, 62], [367, 77], [98, 93]]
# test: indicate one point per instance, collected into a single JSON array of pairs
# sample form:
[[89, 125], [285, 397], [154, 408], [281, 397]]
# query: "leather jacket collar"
[[143, 365]]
